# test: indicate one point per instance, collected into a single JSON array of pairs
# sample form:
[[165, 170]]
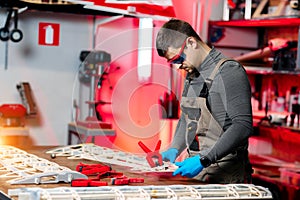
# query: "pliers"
[[102, 171], [92, 169], [154, 158], [80, 182]]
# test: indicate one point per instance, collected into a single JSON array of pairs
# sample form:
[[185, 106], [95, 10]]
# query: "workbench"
[[152, 180], [40, 151]]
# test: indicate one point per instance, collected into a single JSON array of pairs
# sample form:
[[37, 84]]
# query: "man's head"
[[176, 41], [173, 34]]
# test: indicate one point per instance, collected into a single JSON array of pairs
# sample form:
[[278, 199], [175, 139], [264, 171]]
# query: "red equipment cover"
[[12, 110]]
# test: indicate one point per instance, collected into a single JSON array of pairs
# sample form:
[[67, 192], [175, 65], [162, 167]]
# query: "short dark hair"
[[172, 34]]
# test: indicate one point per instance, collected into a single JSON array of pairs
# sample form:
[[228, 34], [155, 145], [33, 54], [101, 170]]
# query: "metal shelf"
[[269, 71], [270, 22]]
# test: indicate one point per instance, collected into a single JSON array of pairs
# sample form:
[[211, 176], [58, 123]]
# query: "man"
[[216, 119]]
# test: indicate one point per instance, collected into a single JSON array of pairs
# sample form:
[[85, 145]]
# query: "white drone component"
[[162, 192], [110, 156], [25, 168]]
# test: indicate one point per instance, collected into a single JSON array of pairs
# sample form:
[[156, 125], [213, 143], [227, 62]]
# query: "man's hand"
[[190, 167], [170, 155]]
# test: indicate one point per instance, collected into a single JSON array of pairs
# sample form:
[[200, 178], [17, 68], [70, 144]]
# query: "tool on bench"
[[92, 169], [102, 171], [117, 178], [154, 158], [110, 174], [88, 183], [124, 180]]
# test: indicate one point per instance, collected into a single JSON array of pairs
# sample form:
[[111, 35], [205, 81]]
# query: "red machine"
[[95, 64], [12, 115]]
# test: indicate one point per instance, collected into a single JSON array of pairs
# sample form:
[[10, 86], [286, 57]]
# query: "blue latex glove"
[[190, 167], [170, 155]]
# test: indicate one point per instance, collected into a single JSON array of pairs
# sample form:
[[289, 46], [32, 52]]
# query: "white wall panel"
[[50, 70]]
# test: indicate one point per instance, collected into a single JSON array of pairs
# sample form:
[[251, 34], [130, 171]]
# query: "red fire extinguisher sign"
[[49, 34]]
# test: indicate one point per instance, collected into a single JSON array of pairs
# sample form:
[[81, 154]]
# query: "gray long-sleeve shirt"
[[230, 103]]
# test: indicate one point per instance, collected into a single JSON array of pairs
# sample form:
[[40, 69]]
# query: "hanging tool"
[[16, 34], [4, 32], [154, 158], [27, 98]]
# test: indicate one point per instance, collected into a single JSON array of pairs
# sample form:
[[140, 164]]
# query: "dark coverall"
[[216, 119]]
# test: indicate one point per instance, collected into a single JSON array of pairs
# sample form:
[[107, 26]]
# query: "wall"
[[50, 70]]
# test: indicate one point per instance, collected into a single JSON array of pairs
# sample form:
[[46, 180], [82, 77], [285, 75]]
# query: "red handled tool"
[[124, 180], [102, 171], [117, 178], [136, 180], [92, 169], [153, 157], [121, 180], [110, 174], [80, 182]]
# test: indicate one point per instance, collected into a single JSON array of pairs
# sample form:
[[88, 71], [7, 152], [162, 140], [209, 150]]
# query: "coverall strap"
[[209, 80]]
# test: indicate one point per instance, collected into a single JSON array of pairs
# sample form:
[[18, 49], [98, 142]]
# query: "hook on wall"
[[16, 34]]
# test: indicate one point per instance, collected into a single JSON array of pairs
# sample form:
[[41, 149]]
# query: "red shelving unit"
[[259, 22]]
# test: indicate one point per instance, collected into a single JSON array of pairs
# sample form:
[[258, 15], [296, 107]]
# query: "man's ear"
[[192, 42]]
